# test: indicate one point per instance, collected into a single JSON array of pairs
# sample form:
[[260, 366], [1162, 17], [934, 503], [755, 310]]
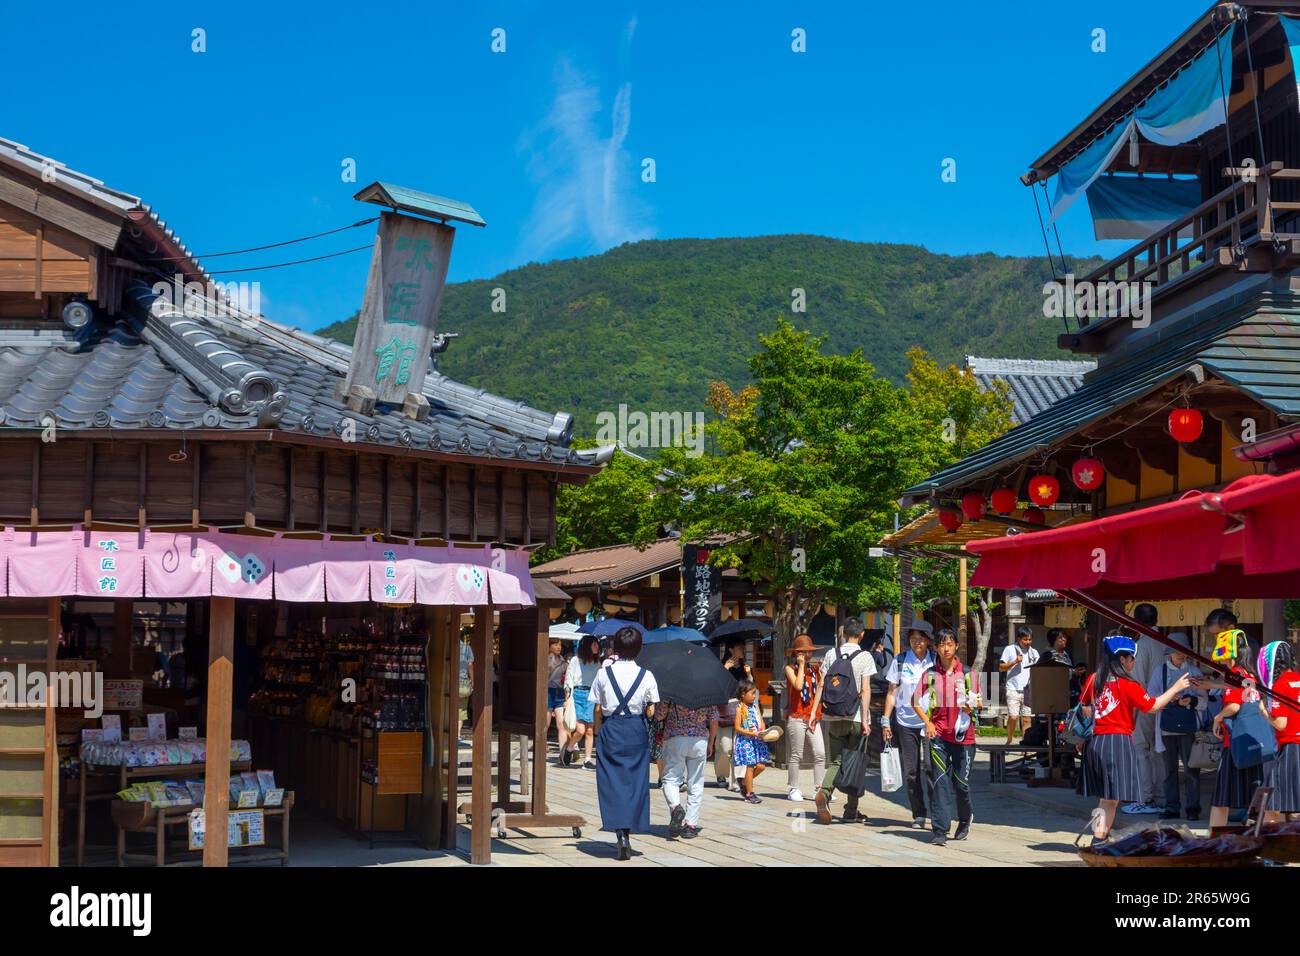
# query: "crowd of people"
[[1148, 707]]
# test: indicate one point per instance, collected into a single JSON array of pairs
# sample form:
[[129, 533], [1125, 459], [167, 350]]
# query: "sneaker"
[[1170, 815], [689, 832], [823, 812], [795, 795], [722, 784], [918, 823], [589, 765], [853, 816], [675, 822], [1139, 808], [963, 831], [566, 757], [939, 839], [752, 798]]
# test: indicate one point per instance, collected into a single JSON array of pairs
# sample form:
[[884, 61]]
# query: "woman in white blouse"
[[626, 693]]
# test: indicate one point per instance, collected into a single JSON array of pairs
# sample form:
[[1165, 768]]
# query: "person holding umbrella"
[[626, 693], [689, 735]]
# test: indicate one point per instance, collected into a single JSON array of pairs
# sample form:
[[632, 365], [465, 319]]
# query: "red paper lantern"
[[1034, 516], [1003, 500], [972, 506], [1044, 489], [950, 518], [1088, 474], [1185, 424]]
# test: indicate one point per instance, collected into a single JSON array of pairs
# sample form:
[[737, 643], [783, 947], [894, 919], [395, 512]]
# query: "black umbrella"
[[687, 674], [745, 626]]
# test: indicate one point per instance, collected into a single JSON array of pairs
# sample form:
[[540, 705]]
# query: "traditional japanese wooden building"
[[165, 430], [1195, 328]]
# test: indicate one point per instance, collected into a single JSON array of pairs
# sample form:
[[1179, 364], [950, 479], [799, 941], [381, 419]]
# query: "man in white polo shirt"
[[904, 728], [1016, 660]]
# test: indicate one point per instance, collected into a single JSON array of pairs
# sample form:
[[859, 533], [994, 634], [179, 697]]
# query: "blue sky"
[[243, 144]]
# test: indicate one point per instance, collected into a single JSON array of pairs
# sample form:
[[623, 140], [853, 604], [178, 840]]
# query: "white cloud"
[[585, 179]]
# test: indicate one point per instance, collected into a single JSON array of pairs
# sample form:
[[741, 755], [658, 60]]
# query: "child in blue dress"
[[750, 751]]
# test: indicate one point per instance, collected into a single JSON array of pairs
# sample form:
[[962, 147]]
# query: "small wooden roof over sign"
[[420, 203]]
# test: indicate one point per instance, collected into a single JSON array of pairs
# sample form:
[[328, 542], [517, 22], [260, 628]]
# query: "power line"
[[273, 245], [295, 262]]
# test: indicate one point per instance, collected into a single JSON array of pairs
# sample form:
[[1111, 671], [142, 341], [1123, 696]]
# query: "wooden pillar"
[[451, 704], [50, 806], [119, 664], [216, 787], [1274, 620], [435, 769], [538, 789], [961, 605], [480, 843]]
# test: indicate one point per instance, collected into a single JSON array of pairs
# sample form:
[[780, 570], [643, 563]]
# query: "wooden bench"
[[998, 757]]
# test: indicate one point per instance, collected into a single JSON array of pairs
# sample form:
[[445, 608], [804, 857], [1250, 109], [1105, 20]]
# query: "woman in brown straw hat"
[[802, 679]]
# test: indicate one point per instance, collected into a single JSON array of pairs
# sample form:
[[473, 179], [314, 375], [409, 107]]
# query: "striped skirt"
[[1235, 786], [1110, 769], [1283, 775]]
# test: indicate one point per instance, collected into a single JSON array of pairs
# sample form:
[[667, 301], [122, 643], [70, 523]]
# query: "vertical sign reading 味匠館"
[[395, 330]]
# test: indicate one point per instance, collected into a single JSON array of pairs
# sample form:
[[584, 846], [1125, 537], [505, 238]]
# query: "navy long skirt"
[[623, 774]]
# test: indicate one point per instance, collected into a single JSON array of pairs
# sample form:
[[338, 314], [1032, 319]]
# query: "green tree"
[[965, 417], [811, 457], [611, 508]]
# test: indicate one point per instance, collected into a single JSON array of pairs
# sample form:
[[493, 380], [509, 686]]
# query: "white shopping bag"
[[891, 770]]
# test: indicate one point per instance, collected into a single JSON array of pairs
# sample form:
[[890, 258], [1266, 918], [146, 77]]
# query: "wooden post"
[[538, 794], [481, 760], [961, 605], [435, 770], [216, 787], [451, 705], [120, 663], [50, 806]]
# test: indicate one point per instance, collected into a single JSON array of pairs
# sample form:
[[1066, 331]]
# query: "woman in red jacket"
[[1112, 697]]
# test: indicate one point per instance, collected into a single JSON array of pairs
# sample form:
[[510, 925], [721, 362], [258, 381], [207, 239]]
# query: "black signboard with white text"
[[702, 586]]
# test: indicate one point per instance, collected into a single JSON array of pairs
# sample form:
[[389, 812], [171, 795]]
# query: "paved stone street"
[[780, 833], [1014, 826]]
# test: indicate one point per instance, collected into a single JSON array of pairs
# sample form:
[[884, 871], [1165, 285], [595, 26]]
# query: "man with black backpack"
[[844, 701]]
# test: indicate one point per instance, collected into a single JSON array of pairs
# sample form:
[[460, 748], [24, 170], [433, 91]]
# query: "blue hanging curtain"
[[1292, 28], [1135, 207], [1190, 104]]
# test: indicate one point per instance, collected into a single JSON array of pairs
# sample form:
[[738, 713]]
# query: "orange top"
[[801, 709]]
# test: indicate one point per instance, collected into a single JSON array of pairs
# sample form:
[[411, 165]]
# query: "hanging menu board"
[[123, 694]]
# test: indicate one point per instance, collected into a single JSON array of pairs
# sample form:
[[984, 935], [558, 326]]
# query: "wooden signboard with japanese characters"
[[395, 330]]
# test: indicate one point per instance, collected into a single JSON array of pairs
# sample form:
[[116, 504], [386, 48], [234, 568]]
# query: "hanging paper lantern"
[[1003, 501], [582, 604], [1185, 424], [1034, 516], [972, 507], [1044, 489], [1088, 474], [950, 518]]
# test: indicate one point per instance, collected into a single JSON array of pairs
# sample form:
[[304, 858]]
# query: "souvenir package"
[[1170, 841], [187, 733], [112, 728], [266, 780], [250, 781], [273, 797], [138, 733], [157, 726], [154, 753], [195, 787]]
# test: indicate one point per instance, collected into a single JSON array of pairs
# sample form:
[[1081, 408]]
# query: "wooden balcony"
[[1244, 227]]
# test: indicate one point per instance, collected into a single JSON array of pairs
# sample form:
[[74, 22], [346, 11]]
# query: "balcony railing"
[[1217, 231]]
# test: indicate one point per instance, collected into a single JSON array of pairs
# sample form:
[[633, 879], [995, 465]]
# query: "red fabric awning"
[[1243, 542]]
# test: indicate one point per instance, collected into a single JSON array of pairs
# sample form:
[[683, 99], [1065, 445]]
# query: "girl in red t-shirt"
[[1277, 669], [1112, 697], [1234, 786]]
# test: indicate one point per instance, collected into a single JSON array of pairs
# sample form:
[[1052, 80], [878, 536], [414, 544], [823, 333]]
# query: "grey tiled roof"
[[1034, 383], [128, 374], [211, 366]]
